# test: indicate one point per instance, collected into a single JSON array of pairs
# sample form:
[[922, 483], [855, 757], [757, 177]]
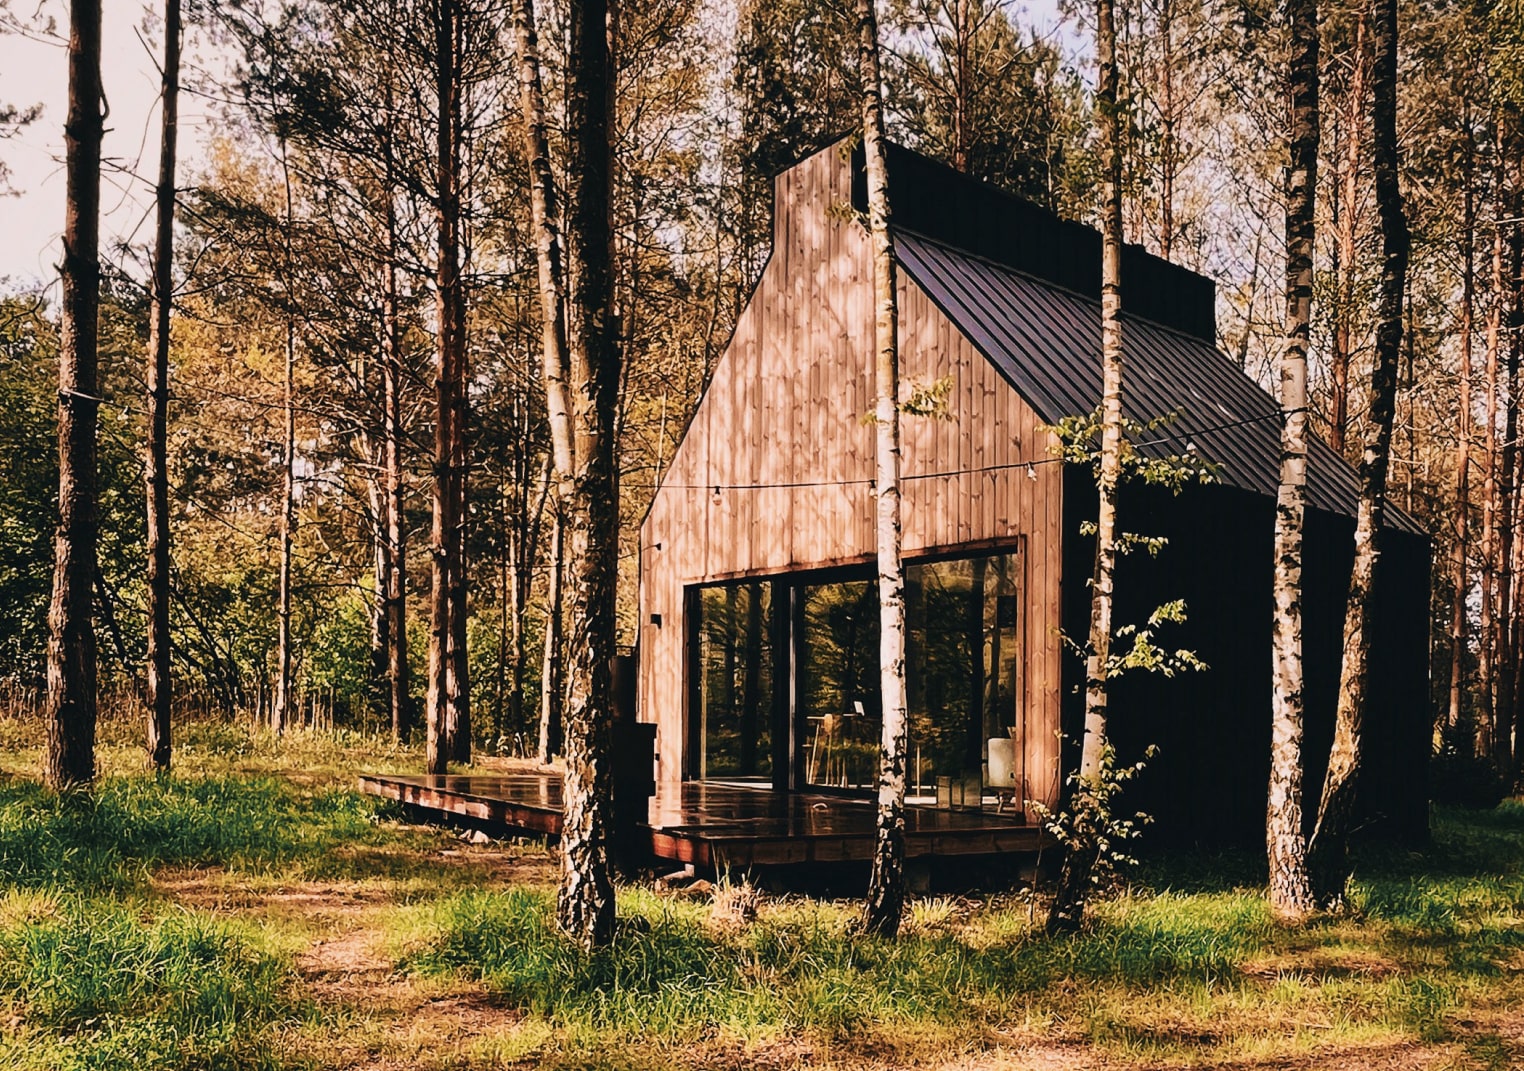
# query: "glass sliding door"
[[730, 734], [837, 705], [963, 679]]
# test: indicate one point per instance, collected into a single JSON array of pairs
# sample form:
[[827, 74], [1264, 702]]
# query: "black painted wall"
[[1208, 784]]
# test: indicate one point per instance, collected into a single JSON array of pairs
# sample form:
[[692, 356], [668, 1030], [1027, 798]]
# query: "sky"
[[33, 71]]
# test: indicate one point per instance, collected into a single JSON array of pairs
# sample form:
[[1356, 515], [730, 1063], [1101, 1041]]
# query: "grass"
[[94, 985], [254, 911]]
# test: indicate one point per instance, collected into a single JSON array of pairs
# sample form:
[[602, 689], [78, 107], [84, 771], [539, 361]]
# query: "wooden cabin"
[[758, 617]]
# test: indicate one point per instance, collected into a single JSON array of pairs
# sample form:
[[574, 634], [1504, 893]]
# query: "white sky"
[[33, 70]]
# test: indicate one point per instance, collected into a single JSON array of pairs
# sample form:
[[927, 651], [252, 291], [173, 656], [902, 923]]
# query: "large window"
[[963, 679], [732, 734]]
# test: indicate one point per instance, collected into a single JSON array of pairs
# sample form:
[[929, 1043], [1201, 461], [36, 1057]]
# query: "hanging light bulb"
[[1031, 471]]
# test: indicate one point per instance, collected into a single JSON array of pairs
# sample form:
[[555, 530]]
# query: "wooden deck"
[[720, 825]]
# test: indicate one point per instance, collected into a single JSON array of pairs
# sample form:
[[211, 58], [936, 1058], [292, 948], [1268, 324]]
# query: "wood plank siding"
[[780, 434]]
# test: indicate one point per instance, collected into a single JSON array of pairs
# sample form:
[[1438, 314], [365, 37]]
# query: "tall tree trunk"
[[399, 699], [446, 522], [1068, 908], [1513, 500], [1458, 571], [69, 757], [280, 716], [157, 467], [1346, 220], [1328, 855], [393, 373], [1285, 836], [1168, 142], [585, 902], [459, 721], [379, 692], [554, 358], [1486, 720], [886, 884]]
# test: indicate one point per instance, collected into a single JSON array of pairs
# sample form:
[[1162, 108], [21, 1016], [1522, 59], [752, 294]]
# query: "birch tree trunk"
[[1328, 856], [553, 357], [886, 884], [1285, 836], [1068, 908], [69, 754], [585, 901], [157, 379], [1346, 221]]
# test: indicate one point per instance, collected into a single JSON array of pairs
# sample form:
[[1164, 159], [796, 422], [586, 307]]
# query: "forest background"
[[284, 203]]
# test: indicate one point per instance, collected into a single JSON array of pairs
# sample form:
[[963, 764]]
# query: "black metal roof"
[[1046, 341], [961, 211]]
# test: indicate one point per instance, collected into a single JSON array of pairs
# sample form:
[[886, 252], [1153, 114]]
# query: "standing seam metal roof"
[[1046, 342]]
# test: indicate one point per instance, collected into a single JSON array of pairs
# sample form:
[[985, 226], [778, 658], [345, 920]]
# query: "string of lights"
[[1030, 464]]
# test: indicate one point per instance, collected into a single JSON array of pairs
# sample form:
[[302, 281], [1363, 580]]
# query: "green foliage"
[[93, 985], [338, 659], [1079, 442], [1091, 821], [28, 481]]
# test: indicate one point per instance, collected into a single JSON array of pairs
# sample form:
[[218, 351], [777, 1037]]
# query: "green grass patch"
[[108, 839], [91, 984]]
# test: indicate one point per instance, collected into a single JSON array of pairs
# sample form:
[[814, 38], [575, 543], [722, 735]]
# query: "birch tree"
[[1285, 839], [1068, 908], [156, 469], [553, 354], [1328, 858], [886, 885], [69, 754]]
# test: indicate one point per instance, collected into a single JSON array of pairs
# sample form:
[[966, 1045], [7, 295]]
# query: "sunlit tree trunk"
[[554, 359], [69, 755], [161, 294], [1068, 908], [1328, 856], [1346, 221], [1285, 836], [590, 518], [886, 884]]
